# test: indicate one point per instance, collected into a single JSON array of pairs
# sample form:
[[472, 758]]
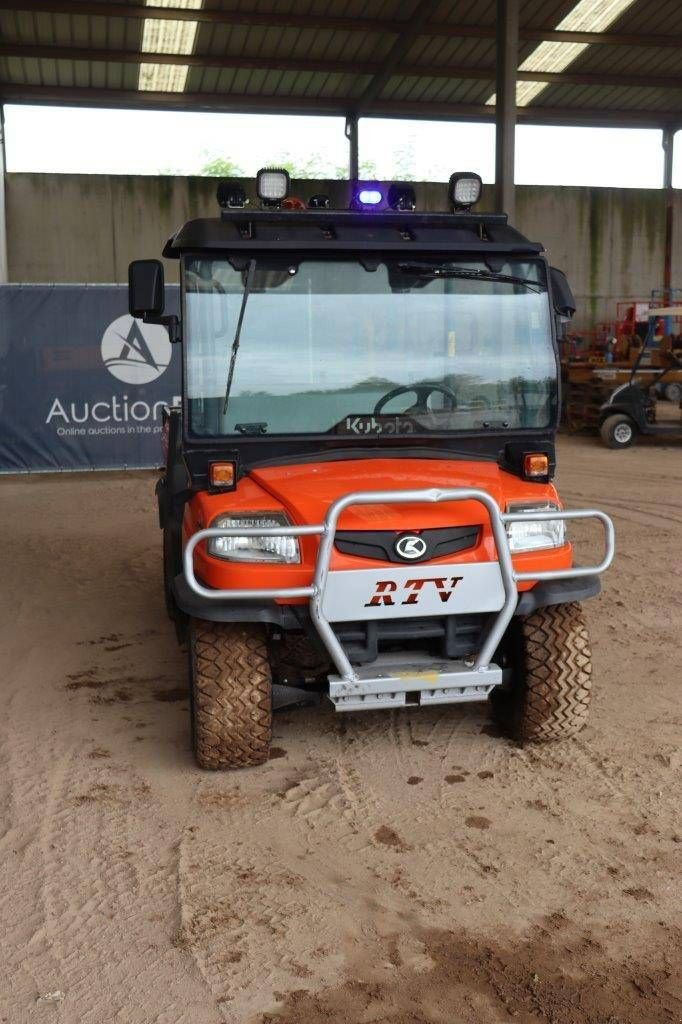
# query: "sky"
[[95, 141]]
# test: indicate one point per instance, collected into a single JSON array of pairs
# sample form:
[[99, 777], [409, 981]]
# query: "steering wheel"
[[422, 391]]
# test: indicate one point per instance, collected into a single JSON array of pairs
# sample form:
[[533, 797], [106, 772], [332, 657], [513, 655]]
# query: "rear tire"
[[231, 692], [552, 666], [617, 431]]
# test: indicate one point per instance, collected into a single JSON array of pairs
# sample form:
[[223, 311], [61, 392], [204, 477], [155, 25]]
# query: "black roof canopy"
[[340, 231]]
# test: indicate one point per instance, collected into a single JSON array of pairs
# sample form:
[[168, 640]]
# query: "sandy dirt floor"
[[401, 867]]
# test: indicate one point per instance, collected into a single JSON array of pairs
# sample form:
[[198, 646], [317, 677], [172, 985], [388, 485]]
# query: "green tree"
[[314, 165], [367, 171], [221, 167], [404, 161]]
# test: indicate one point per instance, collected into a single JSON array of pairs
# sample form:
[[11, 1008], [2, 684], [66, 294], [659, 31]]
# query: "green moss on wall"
[[129, 186], [642, 227], [195, 196], [164, 194], [596, 225]]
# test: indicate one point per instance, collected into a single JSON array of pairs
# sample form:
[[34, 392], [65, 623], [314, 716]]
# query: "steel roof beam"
[[244, 103], [223, 61], [196, 60], [505, 104], [422, 11], [213, 16]]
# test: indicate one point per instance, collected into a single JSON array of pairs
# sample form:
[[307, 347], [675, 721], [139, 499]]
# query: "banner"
[[82, 384]]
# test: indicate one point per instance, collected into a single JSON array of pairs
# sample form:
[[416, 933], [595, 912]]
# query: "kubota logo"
[[386, 590], [134, 352], [410, 547]]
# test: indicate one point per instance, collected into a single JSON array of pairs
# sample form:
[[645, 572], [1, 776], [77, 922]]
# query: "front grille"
[[448, 636], [380, 544]]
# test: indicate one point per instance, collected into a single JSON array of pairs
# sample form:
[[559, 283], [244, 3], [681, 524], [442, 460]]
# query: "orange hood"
[[307, 490]]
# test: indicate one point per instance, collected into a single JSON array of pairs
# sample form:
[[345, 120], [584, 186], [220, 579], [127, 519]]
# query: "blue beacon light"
[[370, 197]]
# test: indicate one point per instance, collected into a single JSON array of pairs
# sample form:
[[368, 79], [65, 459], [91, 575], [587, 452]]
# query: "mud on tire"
[[231, 694], [552, 664]]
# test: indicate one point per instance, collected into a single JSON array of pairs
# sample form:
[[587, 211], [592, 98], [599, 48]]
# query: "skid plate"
[[387, 682]]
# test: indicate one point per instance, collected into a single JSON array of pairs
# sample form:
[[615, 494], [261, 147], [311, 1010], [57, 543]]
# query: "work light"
[[464, 189], [402, 197], [272, 184], [253, 549], [230, 195]]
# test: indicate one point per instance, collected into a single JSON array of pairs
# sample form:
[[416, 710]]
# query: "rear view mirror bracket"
[[170, 321]]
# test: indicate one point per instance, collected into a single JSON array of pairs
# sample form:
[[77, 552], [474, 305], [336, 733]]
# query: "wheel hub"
[[623, 433]]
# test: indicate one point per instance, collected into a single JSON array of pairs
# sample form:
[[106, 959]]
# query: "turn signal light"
[[535, 465], [221, 474]]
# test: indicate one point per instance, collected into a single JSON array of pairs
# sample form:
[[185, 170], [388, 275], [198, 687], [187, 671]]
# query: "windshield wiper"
[[435, 272], [238, 331]]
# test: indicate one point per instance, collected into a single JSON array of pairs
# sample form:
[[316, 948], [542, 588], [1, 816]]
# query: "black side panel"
[[174, 488]]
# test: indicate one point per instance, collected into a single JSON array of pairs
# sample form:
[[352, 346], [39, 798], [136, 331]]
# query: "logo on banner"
[[134, 352]]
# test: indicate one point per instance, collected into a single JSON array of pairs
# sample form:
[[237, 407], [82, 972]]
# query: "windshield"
[[338, 347]]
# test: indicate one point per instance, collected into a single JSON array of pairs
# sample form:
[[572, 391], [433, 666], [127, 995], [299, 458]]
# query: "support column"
[[3, 218], [353, 152], [507, 35], [668, 141]]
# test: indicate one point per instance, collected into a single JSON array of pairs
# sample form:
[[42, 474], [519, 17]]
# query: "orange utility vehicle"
[[358, 497]]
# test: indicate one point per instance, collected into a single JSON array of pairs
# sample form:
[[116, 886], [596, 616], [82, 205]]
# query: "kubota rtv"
[[357, 496]]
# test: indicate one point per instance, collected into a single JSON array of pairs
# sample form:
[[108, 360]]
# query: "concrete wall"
[[3, 225], [88, 228]]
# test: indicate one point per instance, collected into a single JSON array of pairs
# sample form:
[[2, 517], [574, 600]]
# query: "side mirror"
[[146, 297], [562, 296]]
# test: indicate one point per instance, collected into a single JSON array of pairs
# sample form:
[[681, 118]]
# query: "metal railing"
[[327, 531]]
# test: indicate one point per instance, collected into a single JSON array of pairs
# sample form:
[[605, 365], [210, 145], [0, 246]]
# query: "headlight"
[[531, 536], [253, 549]]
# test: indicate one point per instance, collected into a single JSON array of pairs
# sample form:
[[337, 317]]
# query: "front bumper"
[[297, 617], [335, 596]]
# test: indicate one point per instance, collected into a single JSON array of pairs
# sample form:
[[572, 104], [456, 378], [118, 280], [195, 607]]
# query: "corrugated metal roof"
[[322, 55]]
